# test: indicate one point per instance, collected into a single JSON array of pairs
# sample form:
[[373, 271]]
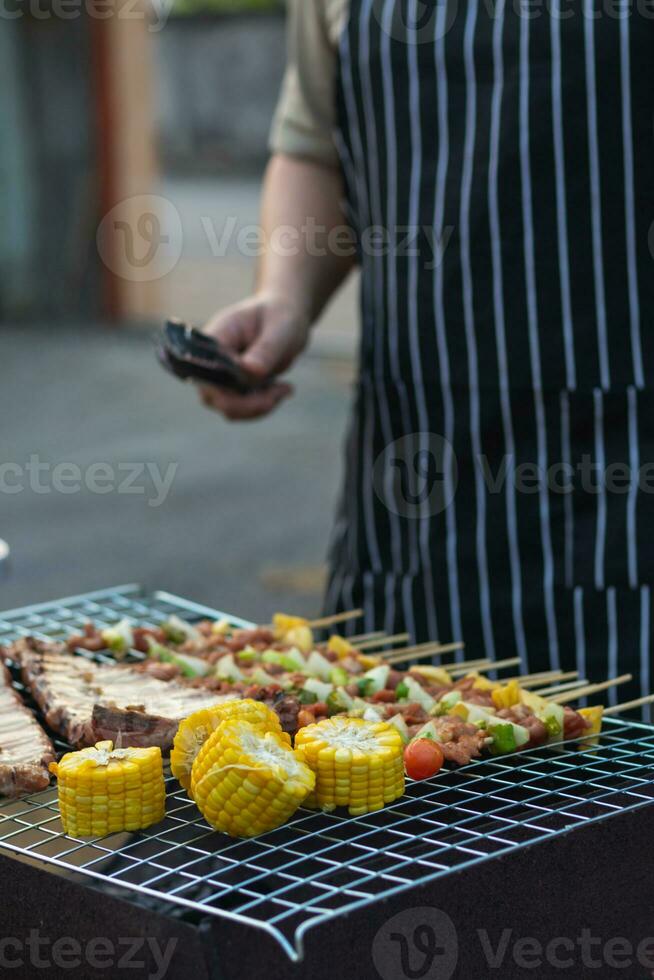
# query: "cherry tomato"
[[423, 758]]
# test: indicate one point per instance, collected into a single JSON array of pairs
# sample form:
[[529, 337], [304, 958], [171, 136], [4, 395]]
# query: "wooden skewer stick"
[[419, 648], [460, 670], [583, 692], [485, 668], [382, 642], [364, 637], [465, 665], [560, 688], [628, 705], [421, 652], [535, 680], [343, 617]]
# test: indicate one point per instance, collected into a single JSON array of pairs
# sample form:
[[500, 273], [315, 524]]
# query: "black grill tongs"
[[191, 355]]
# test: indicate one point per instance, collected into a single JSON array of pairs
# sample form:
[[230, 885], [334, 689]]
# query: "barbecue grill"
[[537, 843]]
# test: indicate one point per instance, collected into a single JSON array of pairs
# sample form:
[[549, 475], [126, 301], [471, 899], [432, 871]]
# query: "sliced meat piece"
[[460, 741], [68, 689], [25, 749], [574, 724]]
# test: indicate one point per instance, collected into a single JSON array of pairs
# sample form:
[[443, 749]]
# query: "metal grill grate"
[[321, 865]]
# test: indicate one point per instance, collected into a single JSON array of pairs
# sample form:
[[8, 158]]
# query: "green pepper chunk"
[[307, 697], [339, 677], [402, 691], [338, 702], [503, 739]]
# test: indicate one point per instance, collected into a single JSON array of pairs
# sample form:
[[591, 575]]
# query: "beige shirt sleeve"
[[306, 114]]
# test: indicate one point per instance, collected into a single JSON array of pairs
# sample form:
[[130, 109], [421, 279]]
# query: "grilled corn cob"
[[246, 782], [196, 729], [103, 790], [358, 764]]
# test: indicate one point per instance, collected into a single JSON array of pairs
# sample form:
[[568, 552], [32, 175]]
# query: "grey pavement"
[[246, 522]]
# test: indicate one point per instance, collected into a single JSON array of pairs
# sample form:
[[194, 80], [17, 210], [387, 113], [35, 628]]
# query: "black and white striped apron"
[[498, 163]]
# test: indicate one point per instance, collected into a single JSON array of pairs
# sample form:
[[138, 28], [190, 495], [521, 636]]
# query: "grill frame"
[[488, 809]]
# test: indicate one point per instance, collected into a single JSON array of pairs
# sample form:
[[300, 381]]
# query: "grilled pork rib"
[[88, 702], [25, 749]]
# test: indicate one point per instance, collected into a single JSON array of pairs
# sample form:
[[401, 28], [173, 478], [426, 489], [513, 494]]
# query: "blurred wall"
[[218, 82], [47, 163]]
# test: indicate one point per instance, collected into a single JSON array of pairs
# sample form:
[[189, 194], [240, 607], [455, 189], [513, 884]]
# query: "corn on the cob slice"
[[358, 764], [103, 790], [196, 729], [246, 782]]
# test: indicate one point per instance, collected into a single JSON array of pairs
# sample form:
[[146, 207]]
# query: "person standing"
[[494, 161]]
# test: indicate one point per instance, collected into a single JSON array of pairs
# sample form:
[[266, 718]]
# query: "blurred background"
[[133, 144]]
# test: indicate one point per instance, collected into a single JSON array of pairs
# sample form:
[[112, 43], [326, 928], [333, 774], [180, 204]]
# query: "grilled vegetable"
[[318, 666], [227, 670], [413, 691], [246, 783], [340, 646], [358, 764], [506, 696], [339, 677], [196, 729], [189, 666], [506, 735], [377, 678], [293, 630], [319, 688], [339, 701], [176, 630], [423, 757], [103, 790], [119, 638], [436, 675]]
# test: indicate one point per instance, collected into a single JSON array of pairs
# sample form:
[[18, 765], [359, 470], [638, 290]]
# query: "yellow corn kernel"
[[246, 782], [506, 696], [195, 730], [103, 790], [358, 764]]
